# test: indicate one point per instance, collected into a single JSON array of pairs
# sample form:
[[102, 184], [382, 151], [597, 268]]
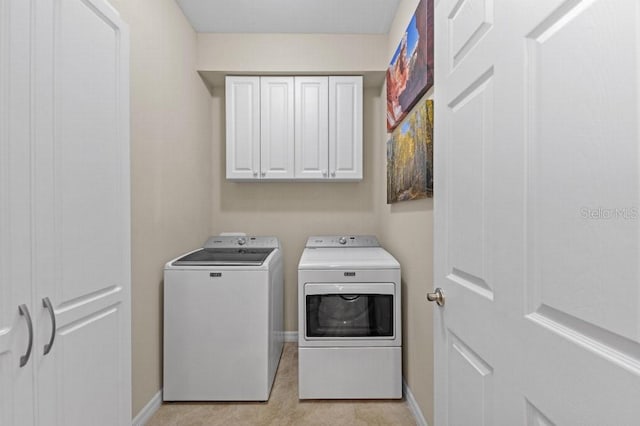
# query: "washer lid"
[[347, 258], [225, 257]]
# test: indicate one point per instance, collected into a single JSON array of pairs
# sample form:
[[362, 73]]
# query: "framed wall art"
[[410, 156], [410, 73]]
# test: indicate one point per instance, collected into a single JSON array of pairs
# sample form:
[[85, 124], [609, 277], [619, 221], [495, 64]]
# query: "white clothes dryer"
[[349, 320], [223, 320]]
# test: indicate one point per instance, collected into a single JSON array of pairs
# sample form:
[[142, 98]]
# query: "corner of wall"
[[170, 169], [406, 230]]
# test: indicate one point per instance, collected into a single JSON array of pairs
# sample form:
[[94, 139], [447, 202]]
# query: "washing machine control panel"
[[234, 241], [329, 241]]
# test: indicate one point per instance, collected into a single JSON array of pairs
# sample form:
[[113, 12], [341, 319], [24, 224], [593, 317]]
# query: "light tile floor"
[[284, 407]]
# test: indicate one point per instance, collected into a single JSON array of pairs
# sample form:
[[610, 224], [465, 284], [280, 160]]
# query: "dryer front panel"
[[350, 314]]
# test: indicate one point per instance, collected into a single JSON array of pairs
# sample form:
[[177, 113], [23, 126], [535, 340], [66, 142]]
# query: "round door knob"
[[342, 240], [241, 241], [437, 296]]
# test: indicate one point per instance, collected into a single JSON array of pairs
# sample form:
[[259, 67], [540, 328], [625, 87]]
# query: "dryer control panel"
[[332, 241]]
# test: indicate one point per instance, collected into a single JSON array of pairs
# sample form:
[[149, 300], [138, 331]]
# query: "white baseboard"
[[290, 336], [149, 410], [413, 405]]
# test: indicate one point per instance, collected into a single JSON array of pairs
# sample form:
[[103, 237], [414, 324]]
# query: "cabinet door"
[[243, 127], [345, 127], [312, 127], [16, 382], [276, 127], [81, 213]]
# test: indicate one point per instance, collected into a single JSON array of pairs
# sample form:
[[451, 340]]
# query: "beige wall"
[[179, 194], [170, 169], [292, 52], [406, 230], [292, 211], [295, 210]]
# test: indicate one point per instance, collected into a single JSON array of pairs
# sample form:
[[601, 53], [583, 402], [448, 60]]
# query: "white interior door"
[[16, 380], [537, 212], [82, 214]]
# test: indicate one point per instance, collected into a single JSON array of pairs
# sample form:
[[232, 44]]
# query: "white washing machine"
[[223, 320], [349, 320]]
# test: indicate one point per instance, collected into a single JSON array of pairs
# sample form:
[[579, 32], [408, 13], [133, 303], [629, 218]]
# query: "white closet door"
[[276, 127], [82, 213], [16, 383], [345, 127], [312, 127], [242, 96]]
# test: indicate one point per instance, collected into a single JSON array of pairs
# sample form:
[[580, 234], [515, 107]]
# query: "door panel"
[[16, 383], [470, 136], [242, 98], [469, 21], [276, 127], [581, 134], [311, 127], [82, 214], [470, 380], [582, 291], [535, 417], [88, 154], [345, 127], [536, 212], [98, 362]]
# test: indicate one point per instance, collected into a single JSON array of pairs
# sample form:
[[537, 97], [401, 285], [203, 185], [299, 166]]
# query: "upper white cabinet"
[[276, 127], [345, 128], [310, 128], [243, 127]]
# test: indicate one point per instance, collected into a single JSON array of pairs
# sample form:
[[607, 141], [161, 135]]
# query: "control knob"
[[242, 241], [342, 240]]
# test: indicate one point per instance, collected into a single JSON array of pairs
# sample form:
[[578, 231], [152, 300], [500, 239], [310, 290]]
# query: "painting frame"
[[410, 72]]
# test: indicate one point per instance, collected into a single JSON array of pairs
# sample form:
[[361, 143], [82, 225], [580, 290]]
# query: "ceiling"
[[290, 16]]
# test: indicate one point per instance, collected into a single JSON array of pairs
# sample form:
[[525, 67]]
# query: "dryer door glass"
[[349, 315]]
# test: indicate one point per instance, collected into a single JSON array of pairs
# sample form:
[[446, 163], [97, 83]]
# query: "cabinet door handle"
[[24, 311], [324, 173], [333, 174], [263, 174], [47, 304], [255, 174]]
